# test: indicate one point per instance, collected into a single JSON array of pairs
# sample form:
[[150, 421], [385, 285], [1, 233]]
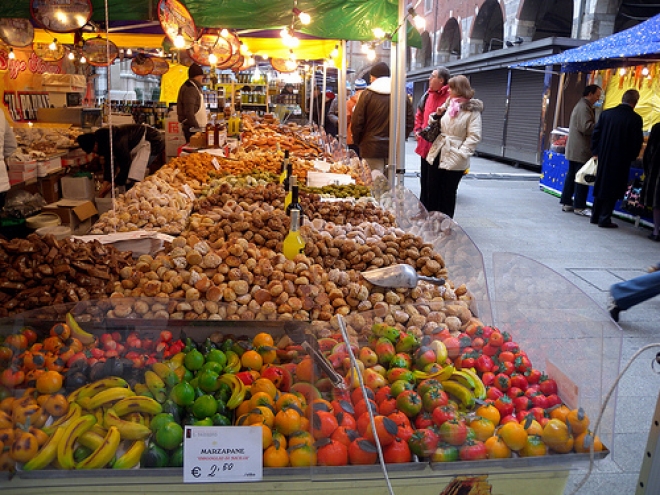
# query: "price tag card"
[[188, 190], [215, 163], [222, 454]]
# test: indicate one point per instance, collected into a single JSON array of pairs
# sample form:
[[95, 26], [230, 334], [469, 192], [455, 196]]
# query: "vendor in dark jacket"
[[190, 108], [371, 118], [124, 139]]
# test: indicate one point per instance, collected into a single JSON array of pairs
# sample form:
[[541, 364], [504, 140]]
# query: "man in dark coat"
[[616, 141], [124, 139], [190, 108], [371, 118]]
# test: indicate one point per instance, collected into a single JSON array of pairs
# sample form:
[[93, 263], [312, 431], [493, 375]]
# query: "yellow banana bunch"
[[71, 435], [131, 457], [165, 373], [233, 362], [47, 453], [470, 379], [74, 412], [156, 386], [102, 398], [92, 439], [461, 392], [104, 453], [91, 389], [141, 389], [238, 390], [128, 429], [140, 404], [440, 375]]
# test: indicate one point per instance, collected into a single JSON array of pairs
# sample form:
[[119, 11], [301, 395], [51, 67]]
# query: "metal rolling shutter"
[[490, 87], [524, 119]]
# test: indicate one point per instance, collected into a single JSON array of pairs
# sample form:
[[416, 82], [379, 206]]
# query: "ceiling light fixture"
[[53, 45], [11, 55], [179, 41], [213, 59]]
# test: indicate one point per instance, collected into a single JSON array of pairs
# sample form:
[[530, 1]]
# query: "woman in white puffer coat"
[[449, 156]]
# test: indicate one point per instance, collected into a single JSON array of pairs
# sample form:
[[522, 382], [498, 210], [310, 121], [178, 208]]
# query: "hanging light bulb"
[[418, 20], [371, 52], [364, 48], [179, 42], [292, 56], [330, 62], [224, 33], [129, 52], [244, 49], [71, 56], [379, 33], [284, 34], [213, 59], [645, 71], [291, 42], [304, 17], [83, 60], [622, 71], [335, 52], [53, 45], [11, 55]]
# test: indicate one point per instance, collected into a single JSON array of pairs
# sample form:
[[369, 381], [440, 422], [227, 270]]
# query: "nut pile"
[[39, 272]]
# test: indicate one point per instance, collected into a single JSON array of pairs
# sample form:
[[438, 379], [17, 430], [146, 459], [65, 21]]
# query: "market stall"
[[624, 60]]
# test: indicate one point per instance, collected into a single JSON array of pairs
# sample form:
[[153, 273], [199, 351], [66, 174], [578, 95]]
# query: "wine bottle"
[[285, 164], [295, 204], [293, 243], [210, 143], [288, 199]]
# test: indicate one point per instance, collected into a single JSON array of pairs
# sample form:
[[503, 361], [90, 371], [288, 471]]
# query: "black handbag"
[[631, 202], [431, 131]]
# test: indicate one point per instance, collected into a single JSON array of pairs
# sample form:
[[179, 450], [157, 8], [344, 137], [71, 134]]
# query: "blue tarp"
[[637, 45]]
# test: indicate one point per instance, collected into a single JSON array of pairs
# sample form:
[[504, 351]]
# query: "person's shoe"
[[566, 208], [613, 309], [583, 212], [610, 225], [654, 237], [653, 268]]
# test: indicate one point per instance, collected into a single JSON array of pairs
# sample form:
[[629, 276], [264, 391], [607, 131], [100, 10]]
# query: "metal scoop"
[[399, 276]]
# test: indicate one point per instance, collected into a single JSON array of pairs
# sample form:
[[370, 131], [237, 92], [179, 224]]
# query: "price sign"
[[188, 190], [215, 163], [222, 454]]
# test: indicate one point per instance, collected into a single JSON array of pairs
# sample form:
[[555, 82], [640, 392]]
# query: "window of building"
[[428, 6]]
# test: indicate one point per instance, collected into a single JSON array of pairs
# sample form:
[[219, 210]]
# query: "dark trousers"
[[442, 187], [574, 194], [632, 292], [423, 179], [355, 148], [601, 212]]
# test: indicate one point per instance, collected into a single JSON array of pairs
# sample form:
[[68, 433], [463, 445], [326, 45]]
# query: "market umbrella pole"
[[341, 132], [398, 103]]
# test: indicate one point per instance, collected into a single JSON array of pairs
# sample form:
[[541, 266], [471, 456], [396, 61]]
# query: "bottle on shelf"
[[289, 173], [285, 164], [210, 134], [293, 243], [295, 203], [288, 199]]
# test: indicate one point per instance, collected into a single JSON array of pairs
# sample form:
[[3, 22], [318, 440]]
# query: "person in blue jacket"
[[629, 293]]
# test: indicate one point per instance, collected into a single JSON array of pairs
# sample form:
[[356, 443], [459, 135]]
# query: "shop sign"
[[222, 454], [26, 62]]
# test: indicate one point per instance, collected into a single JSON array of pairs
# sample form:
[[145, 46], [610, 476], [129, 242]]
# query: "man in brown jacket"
[[371, 118], [190, 108]]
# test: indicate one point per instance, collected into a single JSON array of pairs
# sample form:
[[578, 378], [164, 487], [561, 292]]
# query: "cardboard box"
[[172, 145], [77, 188], [49, 187], [79, 215], [45, 167]]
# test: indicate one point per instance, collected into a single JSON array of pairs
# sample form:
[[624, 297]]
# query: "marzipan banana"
[[464, 379], [91, 389], [166, 373], [75, 411], [85, 337], [440, 375], [104, 397], [47, 453], [131, 457], [156, 386], [139, 404], [127, 429], [104, 454], [91, 439], [238, 390], [459, 391], [71, 435], [177, 360], [233, 362], [479, 387]]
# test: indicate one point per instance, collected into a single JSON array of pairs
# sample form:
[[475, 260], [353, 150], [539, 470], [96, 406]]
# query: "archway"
[[488, 29], [540, 19], [449, 44]]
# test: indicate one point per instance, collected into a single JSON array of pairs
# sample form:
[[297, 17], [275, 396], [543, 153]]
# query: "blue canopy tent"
[[637, 45]]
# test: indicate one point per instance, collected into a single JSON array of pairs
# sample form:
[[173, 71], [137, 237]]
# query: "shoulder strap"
[[422, 102]]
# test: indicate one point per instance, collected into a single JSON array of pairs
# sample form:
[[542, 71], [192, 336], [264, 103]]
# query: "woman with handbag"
[[651, 187], [449, 155]]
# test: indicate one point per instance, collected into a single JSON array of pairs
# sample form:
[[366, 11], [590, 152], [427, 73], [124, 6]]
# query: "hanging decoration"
[[283, 65], [48, 52], [160, 66], [142, 65], [16, 32], [211, 42], [177, 23], [61, 16], [96, 51]]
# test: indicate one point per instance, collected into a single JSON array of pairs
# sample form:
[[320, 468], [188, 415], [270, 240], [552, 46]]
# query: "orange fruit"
[[332, 453], [578, 420], [305, 370], [319, 405], [362, 452], [56, 405], [243, 408], [305, 424], [266, 435], [302, 456], [264, 385], [263, 339], [40, 435], [489, 412], [513, 434], [279, 439], [323, 424], [288, 400], [262, 399], [287, 421], [5, 420], [49, 382], [483, 428], [301, 438], [534, 427], [496, 448], [261, 415], [582, 446], [7, 404], [252, 360], [534, 447], [25, 447], [276, 456], [557, 437], [385, 428], [560, 412]]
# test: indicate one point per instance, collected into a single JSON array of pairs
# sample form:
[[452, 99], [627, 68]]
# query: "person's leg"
[[606, 210], [580, 196], [637, 290], [595, 210], [569, 184], [433, 185], [423, 180], [656, 221], [449, 185]]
